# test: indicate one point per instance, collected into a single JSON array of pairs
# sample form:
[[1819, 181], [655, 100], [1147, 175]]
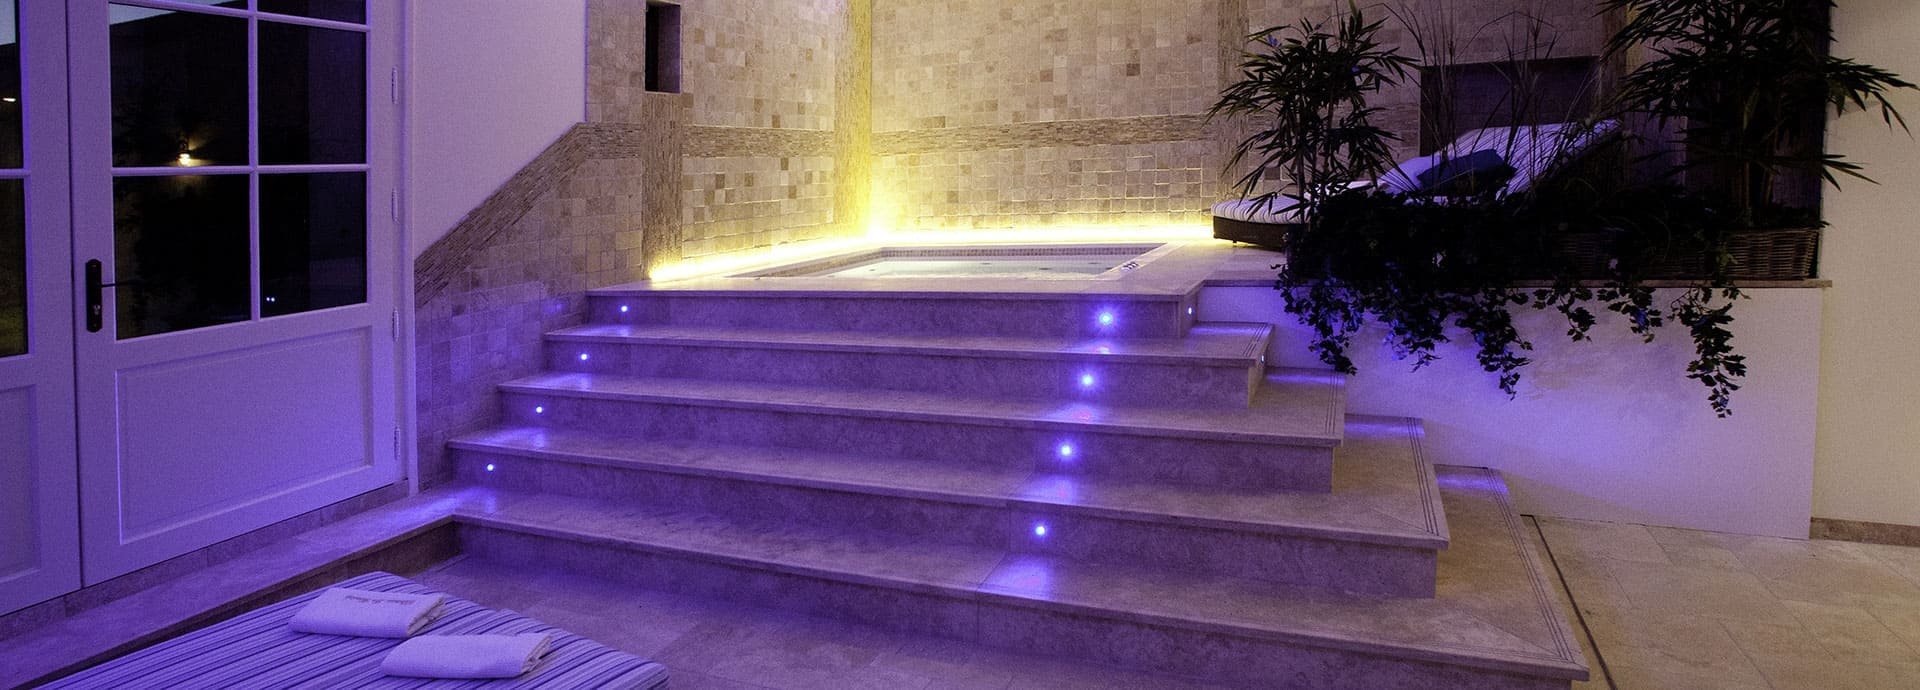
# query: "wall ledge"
[[1863, 531]]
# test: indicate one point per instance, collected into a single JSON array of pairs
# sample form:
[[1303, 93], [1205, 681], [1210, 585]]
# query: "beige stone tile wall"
[[1118, 184], [1003, 86], [996, 114], [737, 203], [760, 63], [766, 79], [960, 63]]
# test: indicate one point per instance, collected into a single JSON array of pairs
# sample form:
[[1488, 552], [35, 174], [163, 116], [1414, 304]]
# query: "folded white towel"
[[466, 656], [341, 611]]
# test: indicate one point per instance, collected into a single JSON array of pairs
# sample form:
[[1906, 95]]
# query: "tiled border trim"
[[1863, 531], [103, 593], [451, 254], [704, 141], [1113, 131]]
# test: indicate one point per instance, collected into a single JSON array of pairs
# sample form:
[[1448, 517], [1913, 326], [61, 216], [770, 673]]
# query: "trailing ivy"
[[1426, 271]]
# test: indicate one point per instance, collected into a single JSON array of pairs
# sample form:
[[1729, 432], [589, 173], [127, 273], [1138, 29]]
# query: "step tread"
[[1140, 289], [1293, 406], [1384, 491], [1493, 608], [1212, 344]]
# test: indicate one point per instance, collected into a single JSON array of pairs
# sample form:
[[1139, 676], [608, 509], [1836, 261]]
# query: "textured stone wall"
[[1006, 114], [749, 155], [997, 114], [776, 92]]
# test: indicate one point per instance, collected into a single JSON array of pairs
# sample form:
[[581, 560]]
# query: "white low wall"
[[490, 83], [1610, 429]]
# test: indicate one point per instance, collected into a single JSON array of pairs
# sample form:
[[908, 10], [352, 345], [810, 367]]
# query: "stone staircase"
[[1080, 473]]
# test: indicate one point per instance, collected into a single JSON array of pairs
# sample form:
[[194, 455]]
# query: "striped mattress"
[[257, 650]]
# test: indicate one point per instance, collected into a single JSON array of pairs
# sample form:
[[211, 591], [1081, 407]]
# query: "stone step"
[[1077, 313], [1216, 365], [1492, 623], [1377, 533], [1284, 440]]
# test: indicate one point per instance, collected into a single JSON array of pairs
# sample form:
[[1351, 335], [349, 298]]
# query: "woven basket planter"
[[1762, 254]]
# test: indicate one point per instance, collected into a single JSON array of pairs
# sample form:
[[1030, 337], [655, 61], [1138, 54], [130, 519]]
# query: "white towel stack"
[[360, 613], [467, 656]]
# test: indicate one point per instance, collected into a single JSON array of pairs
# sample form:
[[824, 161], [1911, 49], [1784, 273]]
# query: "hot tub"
[[1038, 261]]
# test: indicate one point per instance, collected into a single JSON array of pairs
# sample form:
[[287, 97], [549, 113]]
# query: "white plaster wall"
[[490, 83], [1606, 430], [1868, 458]]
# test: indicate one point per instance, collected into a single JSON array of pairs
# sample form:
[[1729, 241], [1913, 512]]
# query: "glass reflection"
[[13, 268], [313, 242], [12, 101], [313, 106], [354, 11], [180, 253], [179, 88]]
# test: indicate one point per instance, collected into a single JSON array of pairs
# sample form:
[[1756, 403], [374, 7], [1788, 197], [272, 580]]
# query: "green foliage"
[[1426, 270], [1749, 78], [1310, 87]]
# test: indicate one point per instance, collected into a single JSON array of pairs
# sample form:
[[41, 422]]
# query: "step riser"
[[889, 314], [1113, 383], [1367, 568], [1172, 459], [1024, 627]]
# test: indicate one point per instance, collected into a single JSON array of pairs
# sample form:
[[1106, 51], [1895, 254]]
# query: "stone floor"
[[1667, 608], [1671, 608]]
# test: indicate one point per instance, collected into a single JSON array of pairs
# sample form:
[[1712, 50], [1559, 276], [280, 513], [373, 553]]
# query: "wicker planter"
[[1773, 254], [1758, 254]]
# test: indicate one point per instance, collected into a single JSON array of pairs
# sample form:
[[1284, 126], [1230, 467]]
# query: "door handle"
[[96, 308]]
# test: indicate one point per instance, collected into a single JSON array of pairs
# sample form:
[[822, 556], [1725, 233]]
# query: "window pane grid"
[[249, 12], [318, 252]]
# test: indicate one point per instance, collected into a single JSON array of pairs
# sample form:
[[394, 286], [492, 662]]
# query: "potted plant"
[[1306, 88], [1746, 83]]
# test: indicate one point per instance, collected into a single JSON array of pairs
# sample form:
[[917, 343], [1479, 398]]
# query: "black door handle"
[[96, 308]]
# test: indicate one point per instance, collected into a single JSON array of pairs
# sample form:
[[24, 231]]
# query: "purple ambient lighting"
[[1106, 318], [1040, 530], [1066, 450]]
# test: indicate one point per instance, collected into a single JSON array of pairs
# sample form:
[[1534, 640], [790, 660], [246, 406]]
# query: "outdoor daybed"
[[259, 650], [1532, 151]]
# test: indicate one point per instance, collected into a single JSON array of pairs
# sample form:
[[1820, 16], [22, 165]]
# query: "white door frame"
[[112, 543], [42, 559]]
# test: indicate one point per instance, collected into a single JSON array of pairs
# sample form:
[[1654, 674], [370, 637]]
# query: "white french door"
[[39, 535], [234, 266]]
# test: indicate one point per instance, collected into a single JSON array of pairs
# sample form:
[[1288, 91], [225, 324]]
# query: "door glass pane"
[[338, 10], [313, 241], [179, 88], [313, 95], [180, 244], [13, 268], [11, 147]]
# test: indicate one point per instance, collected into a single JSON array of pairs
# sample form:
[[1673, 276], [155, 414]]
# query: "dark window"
[[663, 47]]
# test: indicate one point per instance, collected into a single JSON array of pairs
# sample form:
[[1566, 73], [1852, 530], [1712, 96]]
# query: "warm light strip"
[[757, 259]]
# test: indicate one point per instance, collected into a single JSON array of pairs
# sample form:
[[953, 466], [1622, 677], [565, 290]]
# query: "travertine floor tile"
[[1601, 540], [1730, 611]]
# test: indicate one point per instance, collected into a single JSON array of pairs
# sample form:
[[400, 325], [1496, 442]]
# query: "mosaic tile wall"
[[768, 79], [981, 107], [995, 114], [749, 155]]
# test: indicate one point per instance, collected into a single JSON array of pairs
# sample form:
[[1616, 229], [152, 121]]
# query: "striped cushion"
[[257, 650]]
